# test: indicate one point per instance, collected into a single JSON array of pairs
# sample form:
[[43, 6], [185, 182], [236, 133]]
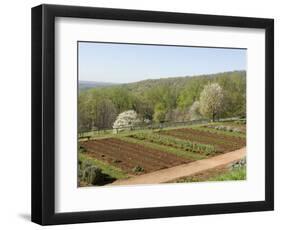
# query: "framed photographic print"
[[143, 114]]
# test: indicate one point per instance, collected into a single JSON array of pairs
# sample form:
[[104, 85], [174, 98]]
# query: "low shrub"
[[81, 149], [224, 128], [92, 175], [89, 174], [137, 169], [85, 164], [239, 164]]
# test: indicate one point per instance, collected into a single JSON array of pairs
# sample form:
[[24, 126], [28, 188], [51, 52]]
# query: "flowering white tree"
[[125, 120], [211, 100], [194, 111]]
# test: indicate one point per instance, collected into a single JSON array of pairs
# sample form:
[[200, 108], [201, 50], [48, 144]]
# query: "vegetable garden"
[[113, 157]]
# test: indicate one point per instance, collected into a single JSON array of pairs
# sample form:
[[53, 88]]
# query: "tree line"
[[169, 99]]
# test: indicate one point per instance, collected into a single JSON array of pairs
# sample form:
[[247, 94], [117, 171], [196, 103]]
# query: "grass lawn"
[[124, 133], [106, 168], [109, 133], [221, 174], [233, 134], [234, 174]]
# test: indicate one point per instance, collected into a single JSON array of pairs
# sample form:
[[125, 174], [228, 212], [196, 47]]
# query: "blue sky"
[[124, 63]]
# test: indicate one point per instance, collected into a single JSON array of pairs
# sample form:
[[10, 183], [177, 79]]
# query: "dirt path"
[[173, 173]]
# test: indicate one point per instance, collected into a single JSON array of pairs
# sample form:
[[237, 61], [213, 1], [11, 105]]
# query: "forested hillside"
[[167, 99]]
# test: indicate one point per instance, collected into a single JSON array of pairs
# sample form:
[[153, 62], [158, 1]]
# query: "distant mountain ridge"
[[84, 85], [177, 82]]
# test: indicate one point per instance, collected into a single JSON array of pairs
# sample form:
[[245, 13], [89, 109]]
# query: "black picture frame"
[[43, 113]]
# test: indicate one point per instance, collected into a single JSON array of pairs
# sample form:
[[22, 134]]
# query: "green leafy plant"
[[137, 169], [174, 142]]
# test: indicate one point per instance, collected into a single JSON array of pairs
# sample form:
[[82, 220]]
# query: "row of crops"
[[174, 142]]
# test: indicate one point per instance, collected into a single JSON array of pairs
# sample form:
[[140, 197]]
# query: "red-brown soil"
[[185, 170], [222, 143], [127, 156]]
